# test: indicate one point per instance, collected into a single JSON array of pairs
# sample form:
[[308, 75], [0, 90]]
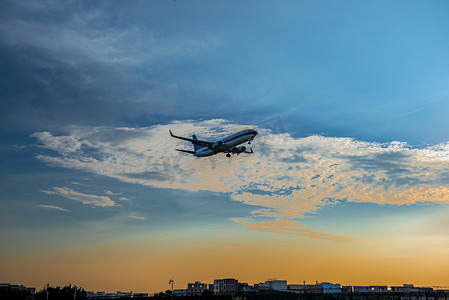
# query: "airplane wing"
[[195, 142], [186, 151]]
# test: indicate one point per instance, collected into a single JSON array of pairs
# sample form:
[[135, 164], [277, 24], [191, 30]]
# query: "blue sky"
[[90, 89]]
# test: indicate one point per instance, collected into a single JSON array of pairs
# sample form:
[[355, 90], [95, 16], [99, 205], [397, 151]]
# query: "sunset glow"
[[348, 182]]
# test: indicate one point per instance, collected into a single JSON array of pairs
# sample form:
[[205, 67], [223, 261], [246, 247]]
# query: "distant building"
[[226, 286], [400, 289], [278, 285], [425, 290], [124, 294], [140, 295], [362, 289], [378, 288], [305, 288], [243, 286], [330, 288], [101, 295], [274, 285], [346, 289], [196, 289], [180, 292], [20, 287]]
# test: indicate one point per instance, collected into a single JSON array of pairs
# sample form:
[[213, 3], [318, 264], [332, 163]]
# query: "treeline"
[[68, 292], [11, 293], [273, 295]]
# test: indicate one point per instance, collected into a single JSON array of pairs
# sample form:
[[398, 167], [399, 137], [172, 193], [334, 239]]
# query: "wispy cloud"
[[87, 199], [108, 192], [284, 226], [286, 178], [137, 217], [221, 227], [82, 33], [52, 207]]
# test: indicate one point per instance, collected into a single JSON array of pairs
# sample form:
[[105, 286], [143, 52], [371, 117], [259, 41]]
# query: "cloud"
[[284, 226], [285, 178], [87, 199], [74, 32], [137, 217], [52, 207], [221, 227], [108, 192]]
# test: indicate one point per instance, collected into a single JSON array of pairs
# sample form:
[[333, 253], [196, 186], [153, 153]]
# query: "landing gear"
[[249, 142], [228, 155]]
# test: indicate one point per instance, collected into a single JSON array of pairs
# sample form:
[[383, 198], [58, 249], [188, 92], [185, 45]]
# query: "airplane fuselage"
[[227, 143]]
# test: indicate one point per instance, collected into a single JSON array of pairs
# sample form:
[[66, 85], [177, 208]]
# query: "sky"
[[348, 183]]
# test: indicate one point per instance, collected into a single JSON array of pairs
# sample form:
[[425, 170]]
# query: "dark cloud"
[[117, 136], [94, 64], [39, 91], [295, 158], [150, 175], [395, 166], [392, 163]]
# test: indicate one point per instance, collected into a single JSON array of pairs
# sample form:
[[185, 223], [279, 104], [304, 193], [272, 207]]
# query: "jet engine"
[[217, 145], [238, 150]]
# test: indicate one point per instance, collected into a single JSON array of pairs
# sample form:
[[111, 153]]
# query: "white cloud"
[[137, 217], [52, 207], [286, 177], [108, 192], [87, 199]]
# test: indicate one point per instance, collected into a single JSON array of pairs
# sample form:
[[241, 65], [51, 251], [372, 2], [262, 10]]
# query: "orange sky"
[[146, 263]]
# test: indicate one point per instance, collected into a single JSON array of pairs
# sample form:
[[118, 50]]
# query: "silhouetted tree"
[[167, 293], [10, 293], [64, 293], [207, 293]]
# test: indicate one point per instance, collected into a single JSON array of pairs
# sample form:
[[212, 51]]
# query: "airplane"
[[227, 145]]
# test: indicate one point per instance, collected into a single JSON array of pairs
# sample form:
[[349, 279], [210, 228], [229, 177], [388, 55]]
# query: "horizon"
[[348, 182], [317, 282]]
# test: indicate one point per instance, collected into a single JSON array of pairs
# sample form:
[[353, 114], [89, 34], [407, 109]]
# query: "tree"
[[68, 292], [207, 293], [167, 293], [11, 293]]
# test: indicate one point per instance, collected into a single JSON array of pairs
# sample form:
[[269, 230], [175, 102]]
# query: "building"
[[424, 290], [399, 289], [196, 289], [180, 292], [102, 295], [140, 295], [330, 288], [378, 288], [305, 288], [346, 289], [124, 294], [278, 285], [20, 287], [273, 285], [362, 289], [226, 286]]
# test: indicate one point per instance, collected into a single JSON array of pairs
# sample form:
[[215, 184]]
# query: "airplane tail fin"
[[195, 147]]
